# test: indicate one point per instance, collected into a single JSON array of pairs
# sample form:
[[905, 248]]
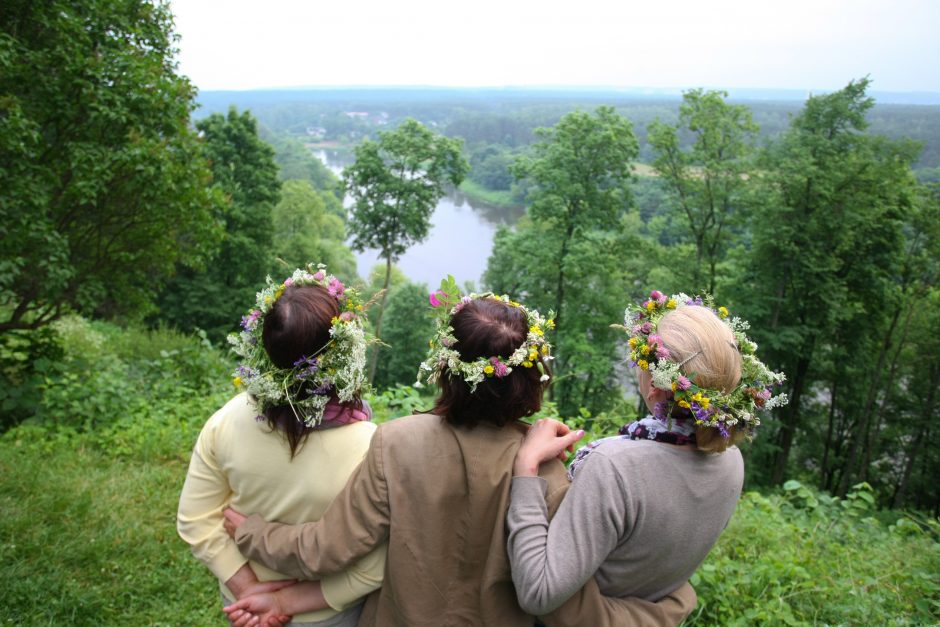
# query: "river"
[[459, 242]]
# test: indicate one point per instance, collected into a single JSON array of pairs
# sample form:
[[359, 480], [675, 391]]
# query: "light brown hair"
[[696, 336]]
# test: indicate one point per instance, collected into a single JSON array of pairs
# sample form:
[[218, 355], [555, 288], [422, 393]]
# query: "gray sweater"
[[640, 517]]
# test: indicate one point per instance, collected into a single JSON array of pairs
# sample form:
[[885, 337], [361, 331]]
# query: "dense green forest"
[[137, 222]]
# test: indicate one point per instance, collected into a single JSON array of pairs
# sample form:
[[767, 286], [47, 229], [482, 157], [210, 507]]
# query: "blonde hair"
[[706, 349]]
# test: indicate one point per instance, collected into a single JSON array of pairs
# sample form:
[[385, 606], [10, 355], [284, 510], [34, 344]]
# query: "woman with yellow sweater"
[[287, 444]]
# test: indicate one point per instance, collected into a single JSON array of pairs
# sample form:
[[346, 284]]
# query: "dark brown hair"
[[297, 325], [487, 327]]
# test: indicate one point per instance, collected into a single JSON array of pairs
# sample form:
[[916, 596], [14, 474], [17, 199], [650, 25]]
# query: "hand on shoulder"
[[546, 439]]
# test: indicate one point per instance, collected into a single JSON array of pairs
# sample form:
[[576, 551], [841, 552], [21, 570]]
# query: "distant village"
[[373, 119]]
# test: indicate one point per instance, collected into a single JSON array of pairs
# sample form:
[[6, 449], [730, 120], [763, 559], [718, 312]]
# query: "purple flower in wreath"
[[251, 320]]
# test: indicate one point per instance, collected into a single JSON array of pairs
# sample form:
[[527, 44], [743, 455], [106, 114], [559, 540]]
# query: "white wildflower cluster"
[[664, 373]]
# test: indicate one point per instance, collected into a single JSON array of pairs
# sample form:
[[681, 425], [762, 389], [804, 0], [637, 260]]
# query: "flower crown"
[[533, 352], [709, 407], [338, 368]]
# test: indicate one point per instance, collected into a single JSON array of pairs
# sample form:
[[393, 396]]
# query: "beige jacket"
[[439, 496]]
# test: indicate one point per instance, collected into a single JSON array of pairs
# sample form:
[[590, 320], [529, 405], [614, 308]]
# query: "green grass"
[[87, 539], [88, 505], [497, 198]]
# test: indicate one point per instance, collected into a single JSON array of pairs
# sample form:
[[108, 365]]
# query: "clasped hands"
[[259, 605]]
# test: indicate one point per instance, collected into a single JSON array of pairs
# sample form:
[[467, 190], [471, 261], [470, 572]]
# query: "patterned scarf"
[[676, 431]]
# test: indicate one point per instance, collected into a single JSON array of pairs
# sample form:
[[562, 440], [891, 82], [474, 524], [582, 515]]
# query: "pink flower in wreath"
[[683, 383], [335, 288], [658, 296], [433, 297], [499, 368], [319, 276]]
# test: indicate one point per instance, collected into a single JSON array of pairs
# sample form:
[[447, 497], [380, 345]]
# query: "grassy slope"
[[88, 539]]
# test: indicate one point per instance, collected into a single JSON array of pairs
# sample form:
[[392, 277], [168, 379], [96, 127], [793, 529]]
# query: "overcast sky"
[[797, 44]]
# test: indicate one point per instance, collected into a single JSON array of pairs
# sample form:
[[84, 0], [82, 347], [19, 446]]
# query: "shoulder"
[[409, 427], [622, 451], [239, 409]]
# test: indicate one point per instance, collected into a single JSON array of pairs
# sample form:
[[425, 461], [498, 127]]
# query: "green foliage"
[[243, 167], [398, 401], [827, 242], [295, 162], [706, 180], [503, 199], [806, 557], [572, 254], [105, 189], [306, 231], [27, 358], [406, 330], [125, 390]]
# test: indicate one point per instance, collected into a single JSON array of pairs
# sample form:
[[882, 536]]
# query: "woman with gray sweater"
[[645, 507]]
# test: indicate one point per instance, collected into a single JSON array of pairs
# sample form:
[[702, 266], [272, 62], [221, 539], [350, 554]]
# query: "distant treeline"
[[509, 117]]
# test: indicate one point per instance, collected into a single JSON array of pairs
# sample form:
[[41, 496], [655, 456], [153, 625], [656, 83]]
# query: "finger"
[[569, 439], [237, 605], [566, 443], [238, 618]]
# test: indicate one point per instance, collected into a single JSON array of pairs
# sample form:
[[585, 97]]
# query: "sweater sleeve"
[[343, 589], [551, 562], [589, 607], [199, 518], [356, 522]]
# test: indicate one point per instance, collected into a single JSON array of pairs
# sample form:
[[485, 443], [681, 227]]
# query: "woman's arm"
[[344, 589], [199, 518], [551, 562], [356, 522]]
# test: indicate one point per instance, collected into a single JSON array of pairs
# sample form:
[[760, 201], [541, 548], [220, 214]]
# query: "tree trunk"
[[926, 416], [861, 432], [788, 429], [824, 471], [378, 319]]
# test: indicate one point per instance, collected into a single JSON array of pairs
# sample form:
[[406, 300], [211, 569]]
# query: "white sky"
[[798, 44]]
